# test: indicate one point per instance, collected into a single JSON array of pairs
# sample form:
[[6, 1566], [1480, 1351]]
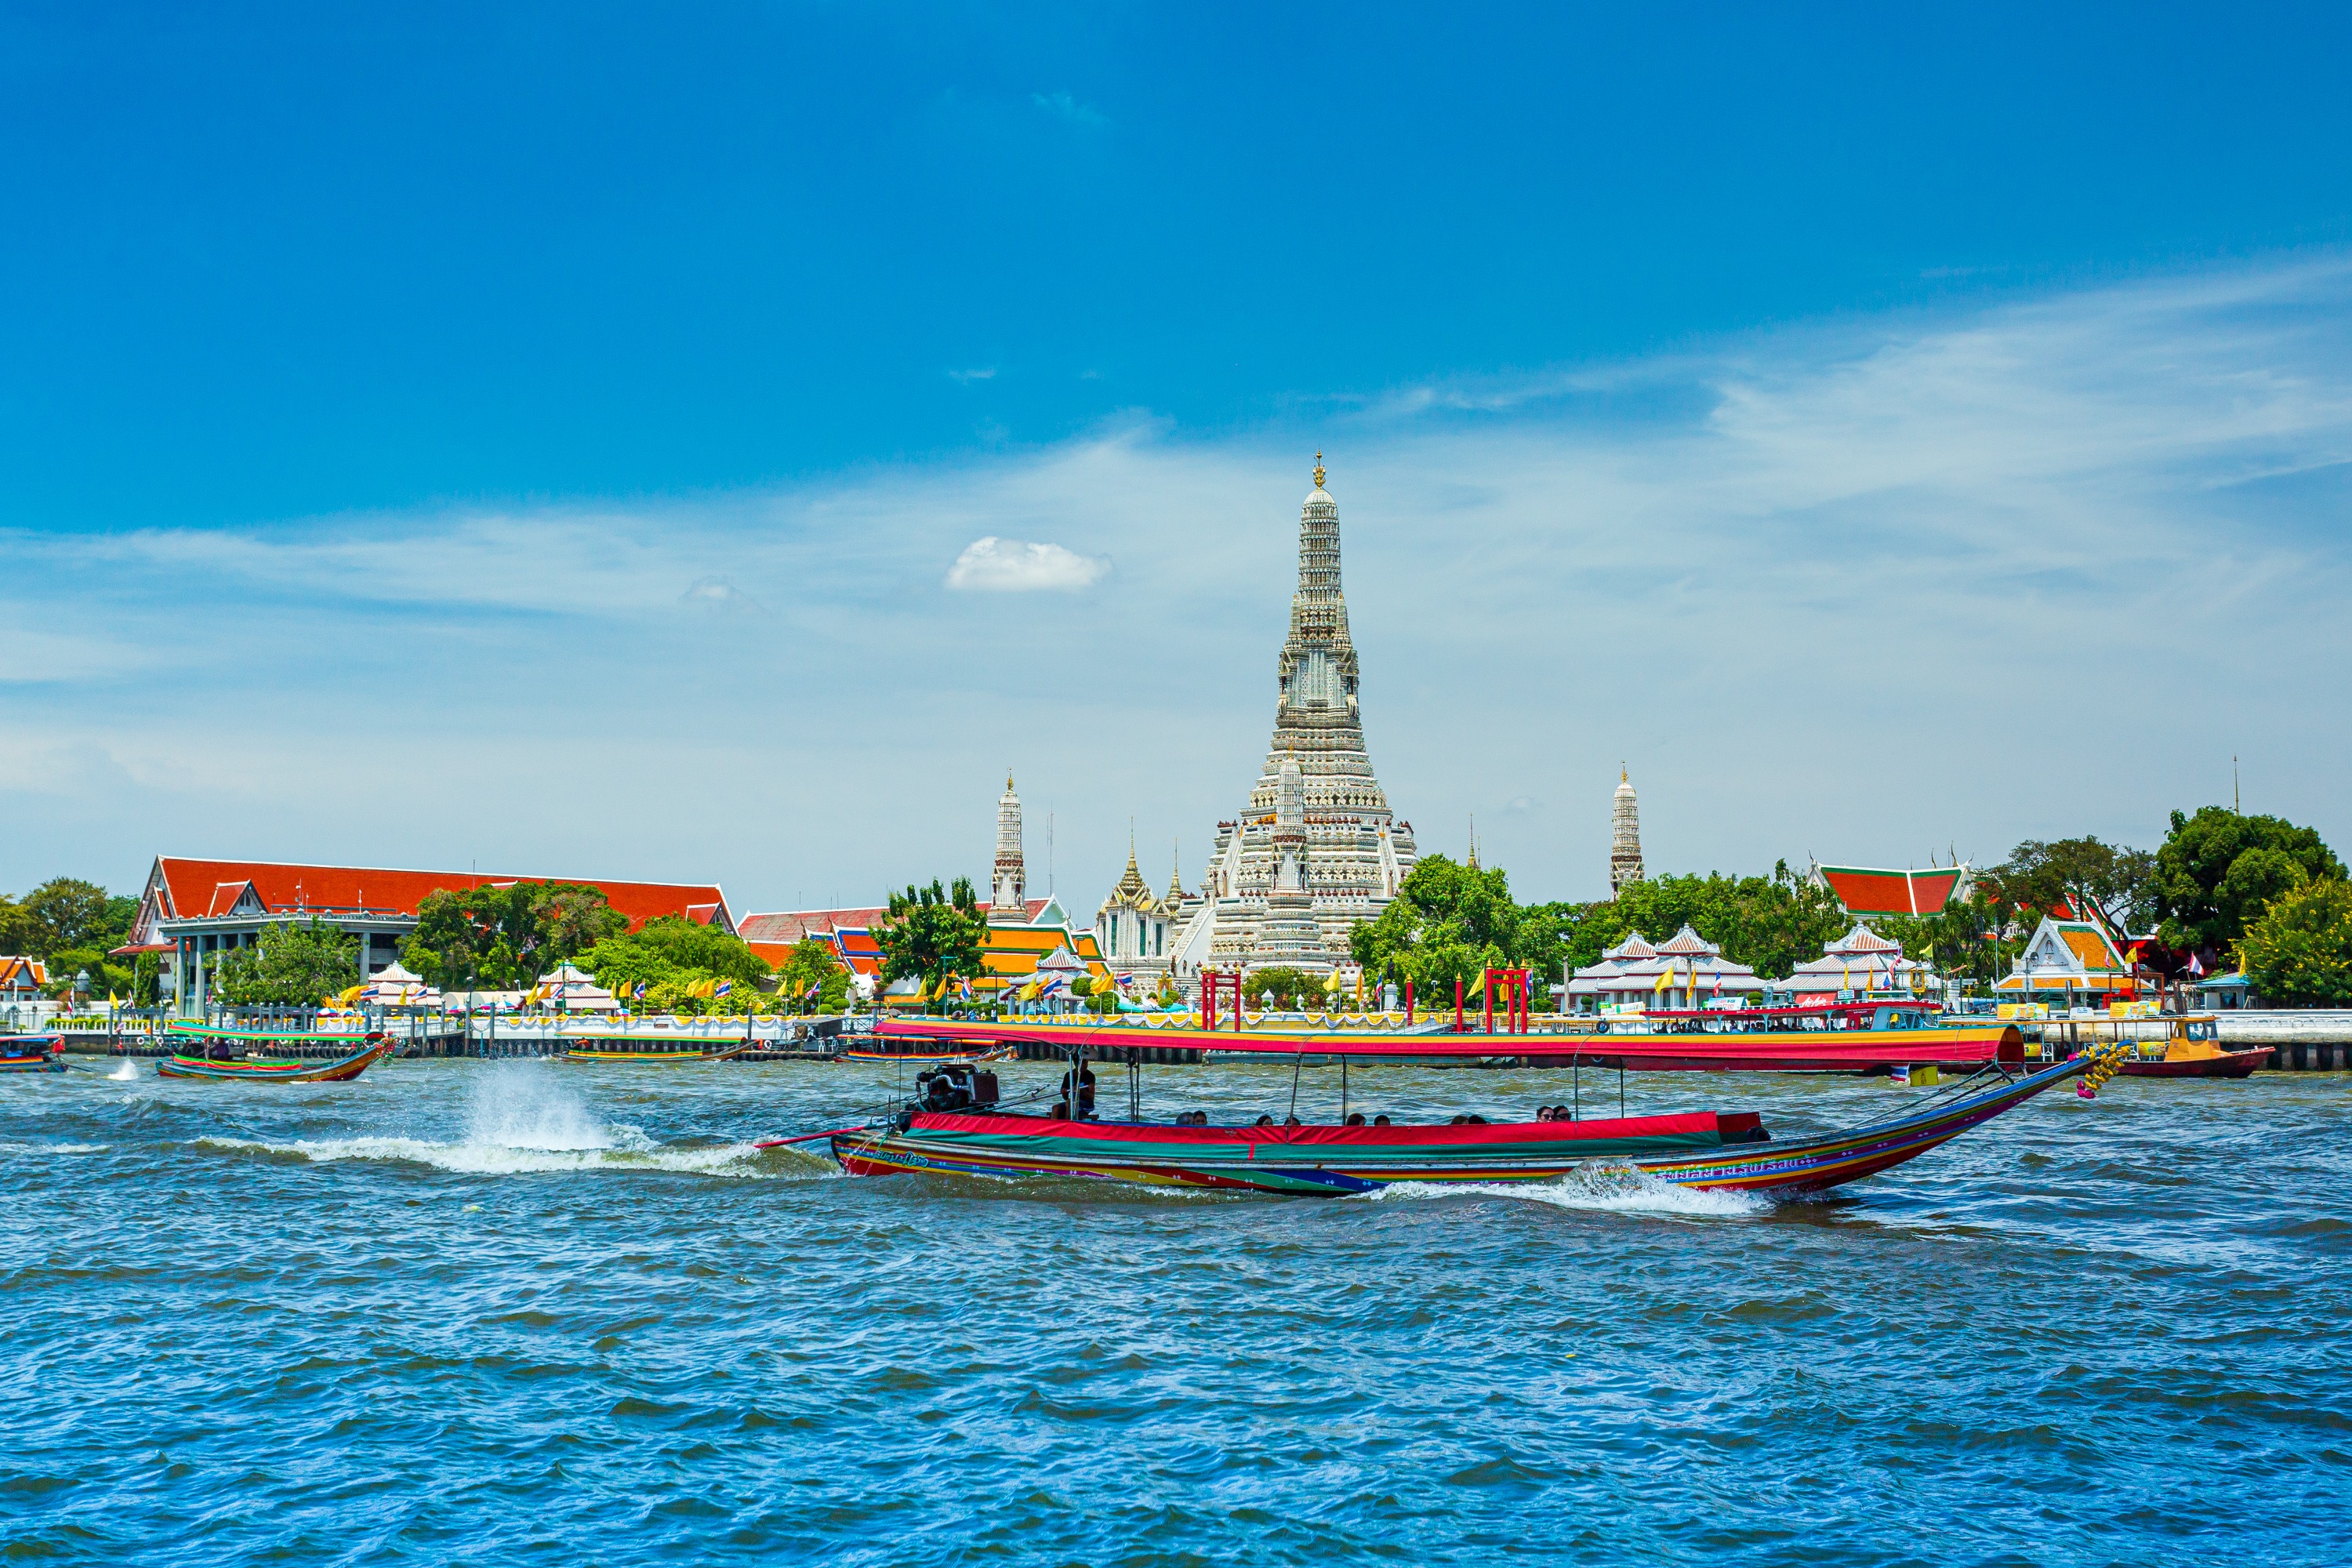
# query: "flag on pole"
[[724, 987]]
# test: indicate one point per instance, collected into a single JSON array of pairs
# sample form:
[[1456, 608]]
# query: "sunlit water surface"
[[514, 1312]]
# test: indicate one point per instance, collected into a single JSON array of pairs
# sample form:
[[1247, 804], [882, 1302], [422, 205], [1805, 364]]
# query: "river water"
[[514, 1312]]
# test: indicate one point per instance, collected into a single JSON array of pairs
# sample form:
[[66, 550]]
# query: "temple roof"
[[1864, 890]]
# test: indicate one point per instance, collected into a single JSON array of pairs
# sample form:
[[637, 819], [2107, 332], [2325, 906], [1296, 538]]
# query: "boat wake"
[[1619, 1189], [125, 1073], [520, 1119]]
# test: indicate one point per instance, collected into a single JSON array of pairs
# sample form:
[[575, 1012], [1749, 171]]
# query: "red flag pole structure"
[[1457, 1006], [1408, 1003]]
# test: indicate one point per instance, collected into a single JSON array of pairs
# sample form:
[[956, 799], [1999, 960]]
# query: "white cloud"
[[1016, 566], [986, 373], [1062, 106]]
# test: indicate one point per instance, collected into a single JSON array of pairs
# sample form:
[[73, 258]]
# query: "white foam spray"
[[522, 1117], [1619, 1189], [124, 1073]]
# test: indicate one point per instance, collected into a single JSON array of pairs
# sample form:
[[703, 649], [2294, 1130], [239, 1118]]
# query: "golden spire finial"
[[1318, 471]]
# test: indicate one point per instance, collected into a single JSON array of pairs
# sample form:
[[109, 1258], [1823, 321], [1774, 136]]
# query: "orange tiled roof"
[[1871, 893], [182, 888]]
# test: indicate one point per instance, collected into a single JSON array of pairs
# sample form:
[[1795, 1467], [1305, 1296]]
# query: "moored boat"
[[32, 1053], [2192, 1048], [249, 1068], [637, 1050]]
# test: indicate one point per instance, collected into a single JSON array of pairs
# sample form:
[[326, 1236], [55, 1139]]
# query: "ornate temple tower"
[[1350, 850], [1625, 839], [1008, 902]]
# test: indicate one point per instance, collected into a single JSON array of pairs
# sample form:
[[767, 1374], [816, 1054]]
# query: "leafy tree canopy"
[[1285, 987], [2299, 949], [292, 966], [671, 957], [1447, 922], [2218, 869], [934, 934], [67, 913], [2037, 877], [503, 939]]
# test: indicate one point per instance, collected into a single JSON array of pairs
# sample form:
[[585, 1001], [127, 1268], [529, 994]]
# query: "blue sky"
[[548, 438]]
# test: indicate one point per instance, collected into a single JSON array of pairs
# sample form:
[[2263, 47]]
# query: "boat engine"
[[954, 1086]]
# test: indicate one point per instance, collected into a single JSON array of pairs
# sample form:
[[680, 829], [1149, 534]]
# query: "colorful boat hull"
[[2210, 1064], [624, 1056], [272, 1070], [1707, 1152], [1715, 1045], [33, 1053]]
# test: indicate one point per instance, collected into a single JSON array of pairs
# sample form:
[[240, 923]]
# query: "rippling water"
[[510, 1312]]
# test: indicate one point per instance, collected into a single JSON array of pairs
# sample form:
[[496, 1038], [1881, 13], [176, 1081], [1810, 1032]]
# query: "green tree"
[[504, 937], [933, 935], [67, 912], [2039, 876], [146, 982], [2299, 949], [2217, 869], [1279, 985], [1448, 921], [16, 928], [670, 956], [292, 966], [811, 966]]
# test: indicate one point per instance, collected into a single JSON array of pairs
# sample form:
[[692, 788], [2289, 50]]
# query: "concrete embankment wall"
[[2317, 1041]]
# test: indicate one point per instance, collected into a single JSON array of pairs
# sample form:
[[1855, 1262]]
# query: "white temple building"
[[1136, 928], [1315, 850], [1684, 974], [1860, 961]]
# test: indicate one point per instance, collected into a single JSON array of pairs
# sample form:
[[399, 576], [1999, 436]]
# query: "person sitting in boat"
[[1266, 1120], [1381, 1120], [1357, 1119], [1292, 1121], [1086, 1093]]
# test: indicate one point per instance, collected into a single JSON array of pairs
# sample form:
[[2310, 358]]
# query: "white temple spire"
[[1625, 837], [1008, 899]]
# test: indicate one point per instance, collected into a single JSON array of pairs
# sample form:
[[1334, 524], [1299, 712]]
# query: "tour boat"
[[365, 1053], [2192, 1048], [32, 1053], [1850, 1038], [954, 1128]]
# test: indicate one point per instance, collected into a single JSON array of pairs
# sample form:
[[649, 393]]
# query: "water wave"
[[124, 1073], [1621, 1189]]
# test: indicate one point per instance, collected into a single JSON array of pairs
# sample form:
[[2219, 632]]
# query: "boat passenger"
[[1292, 1121], [1263, 1121], [1381, 1120], [1357, 1119]]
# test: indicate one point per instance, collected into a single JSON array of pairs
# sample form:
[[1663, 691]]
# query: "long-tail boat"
[[32, 1053], [645, 1050], [955, 1127], [923, 1058], [246, 1068], [1855, 1037], [2192, 1048]]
